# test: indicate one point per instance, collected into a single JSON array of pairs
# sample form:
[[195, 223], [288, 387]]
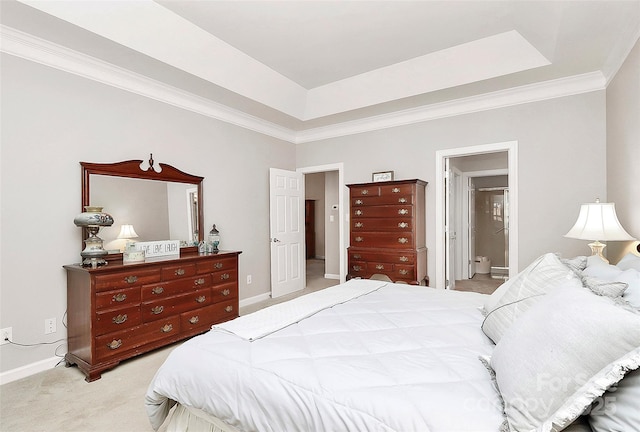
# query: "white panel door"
[[472, 228], [287, 231], [449, 228]]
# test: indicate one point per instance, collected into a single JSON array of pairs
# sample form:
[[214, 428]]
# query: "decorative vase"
[[92, 219]]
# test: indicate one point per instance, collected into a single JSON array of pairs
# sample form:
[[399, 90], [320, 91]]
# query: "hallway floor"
[[481, 283]]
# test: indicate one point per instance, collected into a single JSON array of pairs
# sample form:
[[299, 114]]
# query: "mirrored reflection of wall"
[[141, 203]]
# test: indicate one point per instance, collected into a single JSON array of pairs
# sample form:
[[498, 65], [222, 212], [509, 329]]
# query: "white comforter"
[[400, 358]]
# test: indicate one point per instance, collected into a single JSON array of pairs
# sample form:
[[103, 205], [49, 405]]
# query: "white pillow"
[[561, 355], [629, 261], [544, 275], [619, 408], [632, 294]]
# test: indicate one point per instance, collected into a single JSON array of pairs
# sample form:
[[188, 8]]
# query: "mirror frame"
[[133, 169]]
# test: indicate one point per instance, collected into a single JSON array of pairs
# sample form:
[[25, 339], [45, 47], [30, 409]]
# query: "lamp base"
[[597, 248]]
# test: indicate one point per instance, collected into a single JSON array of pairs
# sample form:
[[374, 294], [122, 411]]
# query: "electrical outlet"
[[248, 279], [6, 333], [49, 325]]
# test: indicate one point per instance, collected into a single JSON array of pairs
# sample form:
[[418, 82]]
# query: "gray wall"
[[47, 129], [552, 181]]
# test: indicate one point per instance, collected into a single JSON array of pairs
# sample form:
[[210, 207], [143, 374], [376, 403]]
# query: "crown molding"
[[41, 51], [47, 53]]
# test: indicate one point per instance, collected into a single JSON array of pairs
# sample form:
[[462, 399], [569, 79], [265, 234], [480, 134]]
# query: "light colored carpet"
[[482, 283]]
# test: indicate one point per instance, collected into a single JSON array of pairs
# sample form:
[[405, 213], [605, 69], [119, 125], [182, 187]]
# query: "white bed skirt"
[[185, 419]]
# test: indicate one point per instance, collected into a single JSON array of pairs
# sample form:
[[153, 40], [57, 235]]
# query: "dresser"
[[387, 231], [118, 311]]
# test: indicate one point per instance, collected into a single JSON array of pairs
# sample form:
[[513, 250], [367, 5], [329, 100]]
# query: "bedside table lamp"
[[598, 221]]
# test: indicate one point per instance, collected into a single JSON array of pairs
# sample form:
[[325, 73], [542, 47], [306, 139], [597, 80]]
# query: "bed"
[[370, 355]]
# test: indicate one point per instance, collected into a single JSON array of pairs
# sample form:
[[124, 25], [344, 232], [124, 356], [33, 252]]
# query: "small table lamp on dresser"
[[598, 221]]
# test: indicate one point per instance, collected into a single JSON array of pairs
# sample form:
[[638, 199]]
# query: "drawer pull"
[[358, 224], [357, 268], [131, 279], [403, 225], [402, 200], [379, 267], [359, 239], [179, 272], [201, 299], [364, 192], [157, 290], [115, 344], [218, 265], [395, 190], [157, 310], [403, 259], [224, 276], [119, 319], [120, 297], [359, 202], [194, 319], [403, 211], [228, 309], [199, 281], [166, 328], [358, 212], [403, 240], [226, 292], [403, 271], [357, 256]]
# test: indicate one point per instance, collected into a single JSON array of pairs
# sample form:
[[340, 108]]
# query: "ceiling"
[[311, 65]]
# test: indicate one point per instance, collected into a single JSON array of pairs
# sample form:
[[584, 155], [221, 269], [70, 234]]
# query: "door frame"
[[339, 167], [511, 147]]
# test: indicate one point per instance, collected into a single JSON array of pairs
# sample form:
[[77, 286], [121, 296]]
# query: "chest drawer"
[[224, 292], [158, 309], [381, 224], [111, 320], [381, 200], [126, 279], [205, 317], [389, 211], [367, 255], [224, 277], [397, 190], [217, 265], [117, 298], [178, 271], [400, 240], [168, 289], [115, 344]]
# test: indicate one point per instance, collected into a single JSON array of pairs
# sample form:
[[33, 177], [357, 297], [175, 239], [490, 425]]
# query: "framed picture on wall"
[[382, 176]]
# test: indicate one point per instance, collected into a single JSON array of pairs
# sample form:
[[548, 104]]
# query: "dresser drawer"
[[178, 271], [380, 267], [111, 320], [118, 298], [217, 265], [404, 272], [400, 240], [381, 200], [127, 279], [390, 211], [358, 268], [397, 190], [365, 191], [207, 316], [224, 277], [158, 309], [168, 289], [224, 292], [381, 224], [398, 258], [117, 343]]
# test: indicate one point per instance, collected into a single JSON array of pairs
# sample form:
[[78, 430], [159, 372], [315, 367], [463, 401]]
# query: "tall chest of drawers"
[[121, 310], [387, 231]]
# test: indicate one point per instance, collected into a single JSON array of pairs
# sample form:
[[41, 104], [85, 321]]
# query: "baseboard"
[[331, 276], [255, 299], [28, 370]]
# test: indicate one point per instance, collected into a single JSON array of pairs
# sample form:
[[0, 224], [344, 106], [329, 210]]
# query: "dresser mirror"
[[160, 202]]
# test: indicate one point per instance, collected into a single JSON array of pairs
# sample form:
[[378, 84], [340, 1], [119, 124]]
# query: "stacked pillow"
[[561, 350]]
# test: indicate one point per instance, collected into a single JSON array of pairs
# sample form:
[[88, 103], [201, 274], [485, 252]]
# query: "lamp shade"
[[127, 232], [598, 221]]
